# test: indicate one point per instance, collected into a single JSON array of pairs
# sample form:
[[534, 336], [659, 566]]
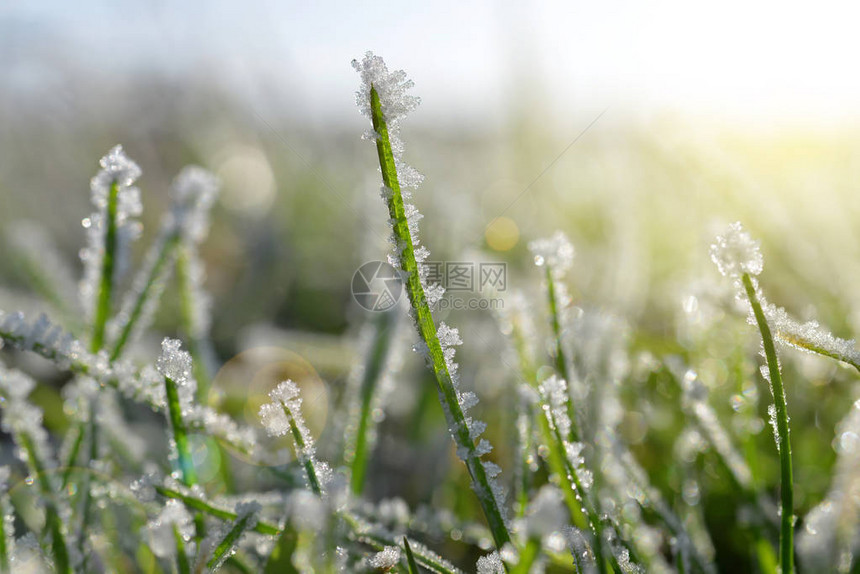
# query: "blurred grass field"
[[641, 199]]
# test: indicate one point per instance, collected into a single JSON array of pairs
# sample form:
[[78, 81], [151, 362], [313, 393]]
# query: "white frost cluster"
[[449, 337], [810, 336], [491, 564], [22, 419], [192, 194], [735, 252], [146, 385], [284, 411], [174, 363], [160, 530], [392, 87], [386, 559], [117, 169], [396, 102], [555, 251], [556, 398], [580, 548]]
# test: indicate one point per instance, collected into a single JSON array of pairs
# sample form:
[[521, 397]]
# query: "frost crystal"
[[391, 86], [736, 253], [117, 169], [174, 363], [810, 336], [581, 549], [284, 412], [193, 192], [556, 252], [491, 564], [386, 559]]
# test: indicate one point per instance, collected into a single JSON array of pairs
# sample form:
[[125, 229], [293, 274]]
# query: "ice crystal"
[[392, 87], [809, 336], [174, 363], [580, 548], [491, 564], [117, 169], [284, 412], [386, 559], [555, 252], [735, 252]]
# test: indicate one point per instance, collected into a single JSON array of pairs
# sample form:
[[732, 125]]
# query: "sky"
[[730, 61]]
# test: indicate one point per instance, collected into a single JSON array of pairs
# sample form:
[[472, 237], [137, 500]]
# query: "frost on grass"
[[160, 530], [396, 102], [187, 220], [735, 252], [555, 252], [490, 564], [386, 559], [809, 336], [175, 364], [283, 416], [117, 169], [580, 547]]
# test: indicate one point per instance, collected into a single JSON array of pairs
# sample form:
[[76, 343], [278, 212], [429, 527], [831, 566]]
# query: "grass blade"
[[488, 494], [786, 534], [410, 559]]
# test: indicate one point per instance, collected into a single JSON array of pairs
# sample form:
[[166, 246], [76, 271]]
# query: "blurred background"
[[639, 130]]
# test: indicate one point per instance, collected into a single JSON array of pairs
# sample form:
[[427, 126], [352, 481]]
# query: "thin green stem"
[[105, 293], [427, 329], [180, 433], [569, 477], [52, 516], [181, 556], [562, 364], [786, 535], [410, 559], [200, 505], [360, 530], [85, 491], [190, 321], [299, 440], [229, 541], [71, 461], [5, 509], [168, 246], [358, 453]]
